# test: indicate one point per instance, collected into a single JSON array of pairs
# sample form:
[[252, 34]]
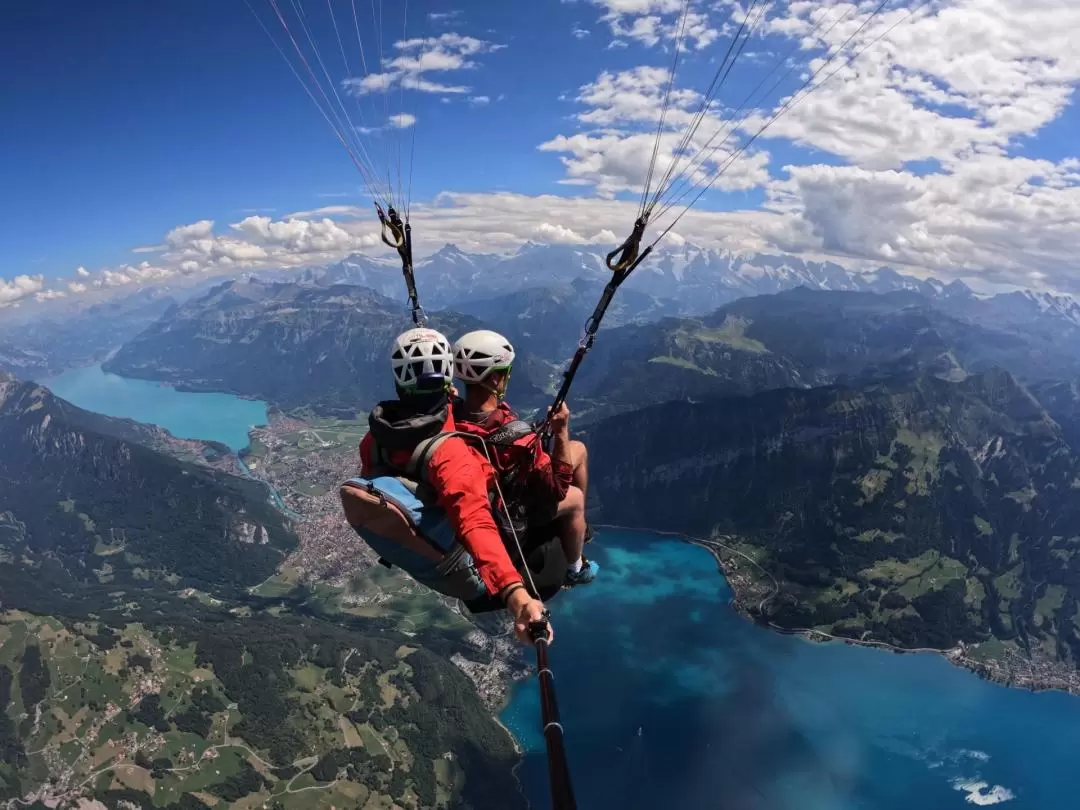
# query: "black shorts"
[[541, 511]]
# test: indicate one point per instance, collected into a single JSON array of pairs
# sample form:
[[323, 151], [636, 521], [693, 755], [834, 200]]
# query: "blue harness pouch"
[[392, 515]]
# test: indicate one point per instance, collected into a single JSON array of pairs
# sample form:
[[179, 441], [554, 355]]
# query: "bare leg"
[[570, 521], [579, 457]]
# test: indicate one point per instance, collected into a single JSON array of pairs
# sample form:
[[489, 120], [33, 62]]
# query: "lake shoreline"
[[747, 592]]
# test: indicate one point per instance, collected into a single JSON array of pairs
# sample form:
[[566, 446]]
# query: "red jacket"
[[546, 480], [462, 478]]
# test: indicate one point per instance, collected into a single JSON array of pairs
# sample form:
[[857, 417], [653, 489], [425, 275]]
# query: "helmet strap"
[[499, 391]]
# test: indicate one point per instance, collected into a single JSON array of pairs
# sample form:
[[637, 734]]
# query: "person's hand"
[[560, 420], [524, 609]]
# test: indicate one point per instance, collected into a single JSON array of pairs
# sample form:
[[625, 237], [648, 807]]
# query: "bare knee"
[[579, 454], [573, 503]]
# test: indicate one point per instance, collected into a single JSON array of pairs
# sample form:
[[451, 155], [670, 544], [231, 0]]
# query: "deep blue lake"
[[735, 716], [211, 417]]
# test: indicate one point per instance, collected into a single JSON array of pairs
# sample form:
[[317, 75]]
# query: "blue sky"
[[128, 119]]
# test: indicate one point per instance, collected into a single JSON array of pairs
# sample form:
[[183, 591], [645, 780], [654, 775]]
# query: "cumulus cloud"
[[964, 78], [82, 272], [479, 101], [402, 120], [1003, 218], [926, 138], [331, 211], [622, 110], [927, 126], [442, 54], [443, 17], [650, 22], [19, 287], [557, 234]]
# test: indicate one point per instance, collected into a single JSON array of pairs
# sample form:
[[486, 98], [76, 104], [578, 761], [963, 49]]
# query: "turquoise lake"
[[734, 716], [212, 417]]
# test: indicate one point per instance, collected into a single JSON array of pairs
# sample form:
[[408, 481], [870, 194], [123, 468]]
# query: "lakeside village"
[[304, 465]]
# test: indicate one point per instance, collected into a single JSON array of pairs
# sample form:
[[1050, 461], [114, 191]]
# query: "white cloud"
[[445, 53], [49, 295], [638, 7], [203, 229], [956, 86], [651, 22], [625, 108], [1005, 68], [557, 234], [331, 211], [479, 101], [19, 287], [960, 89], [580, 33], [427, 86], [999, 217], [442, 17], [82, 272], [402, 120], [614, 162]]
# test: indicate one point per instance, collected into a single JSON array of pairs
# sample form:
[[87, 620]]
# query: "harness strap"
[[510, 432], [416, 468]]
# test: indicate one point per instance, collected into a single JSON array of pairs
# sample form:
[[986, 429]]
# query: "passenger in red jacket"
[[554, 485], [460, 476]]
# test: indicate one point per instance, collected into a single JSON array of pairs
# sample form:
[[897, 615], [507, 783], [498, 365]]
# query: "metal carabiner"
[[391, 223], [627, 252]]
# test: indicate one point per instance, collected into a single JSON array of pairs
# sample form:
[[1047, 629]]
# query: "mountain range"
[[675, 281], [323, 348], [697, 280], [72, 337], [804, 338], [296, 346]]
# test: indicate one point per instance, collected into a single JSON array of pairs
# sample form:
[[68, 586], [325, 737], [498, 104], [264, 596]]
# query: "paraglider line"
[[664, 106], [793, 101], [684, 179], [730, 57]]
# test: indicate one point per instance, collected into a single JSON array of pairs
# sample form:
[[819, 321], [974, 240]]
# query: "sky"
[[148, 142]]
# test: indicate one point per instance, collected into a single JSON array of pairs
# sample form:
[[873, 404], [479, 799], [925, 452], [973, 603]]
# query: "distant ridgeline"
[[55, 341], [295, 346], [801, 339], [99, 536], [925, 511], [323, 348]]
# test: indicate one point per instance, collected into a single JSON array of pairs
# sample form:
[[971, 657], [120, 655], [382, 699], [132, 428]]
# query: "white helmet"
[[477, 354], [422, 359]]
